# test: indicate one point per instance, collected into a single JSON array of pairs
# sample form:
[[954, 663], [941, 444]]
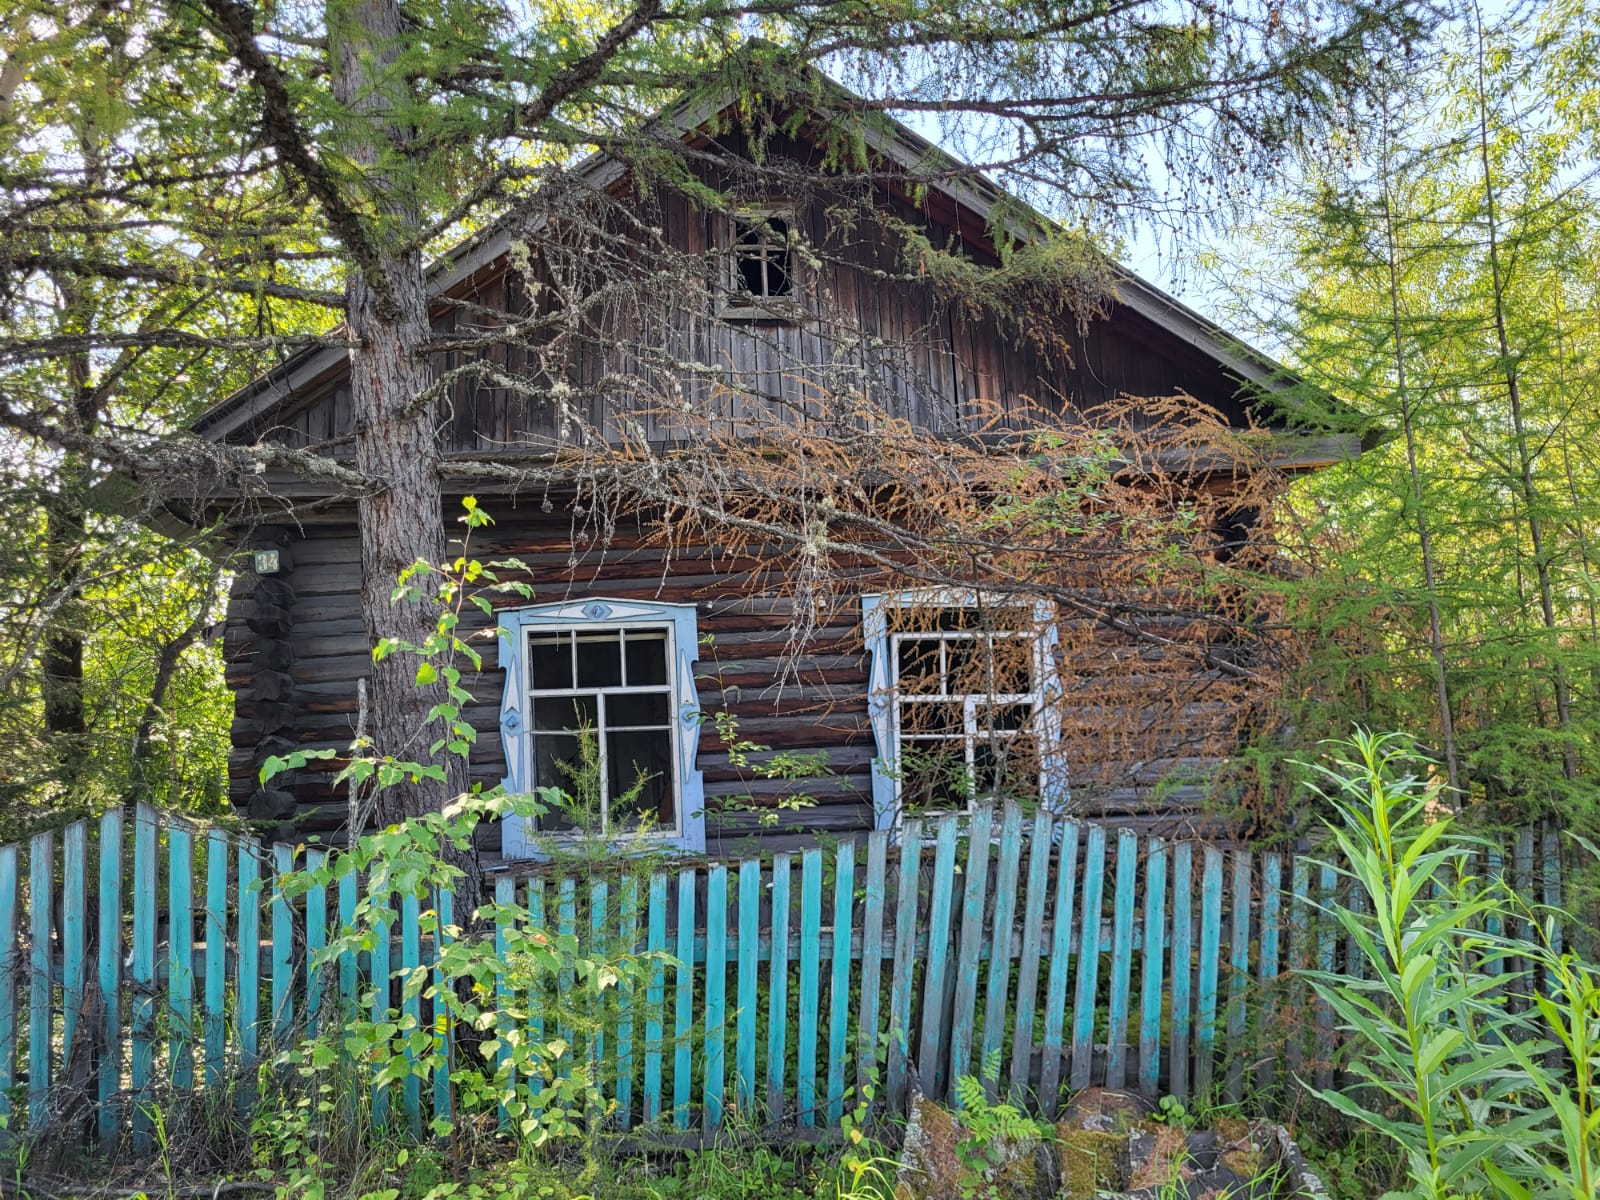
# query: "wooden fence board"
[[1084, 1007], [810, 958], [871, 962], [143, 975], [903, 974], [972, 931], [778, 990], [716, 974], [180, 956], [1238, 971], [1206, 985], [41, 883], [683, 1014], [744, 1067], [1154, 954], [110, 914], [9, 961], [844, 890], [1055, 1004], [932, 1056], [74, 933], [215, 1023], [1181, 965], [1022, 1038], [1007, 863], [1121, 957]]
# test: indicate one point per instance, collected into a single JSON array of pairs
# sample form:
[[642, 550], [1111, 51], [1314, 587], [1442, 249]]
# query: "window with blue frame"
[[600, 703]]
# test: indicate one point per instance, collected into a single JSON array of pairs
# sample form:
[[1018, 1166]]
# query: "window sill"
[[770, 312]]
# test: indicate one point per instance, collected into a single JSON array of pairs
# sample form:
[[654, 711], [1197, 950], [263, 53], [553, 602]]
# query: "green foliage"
[[989, 1130], [1462, 1085]]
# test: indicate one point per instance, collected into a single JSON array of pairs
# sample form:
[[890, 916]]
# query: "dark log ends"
[[267, 723]]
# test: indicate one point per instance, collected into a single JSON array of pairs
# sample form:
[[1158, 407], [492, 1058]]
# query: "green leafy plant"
[[988, 1130], [1461, 1085]]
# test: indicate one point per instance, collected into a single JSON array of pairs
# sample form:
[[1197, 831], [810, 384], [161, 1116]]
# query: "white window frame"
[[520, 835], [884, 700], [740, 305]]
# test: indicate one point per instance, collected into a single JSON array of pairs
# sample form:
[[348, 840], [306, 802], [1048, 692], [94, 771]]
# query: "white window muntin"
[[974, 705]]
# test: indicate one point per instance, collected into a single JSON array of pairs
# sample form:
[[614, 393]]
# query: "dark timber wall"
[[299, 687]]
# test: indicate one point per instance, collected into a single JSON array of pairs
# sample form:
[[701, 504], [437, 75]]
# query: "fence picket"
[[744, 1069], [778, 989], [216, 957], [1206, 988], [810, 954], [8, 978], [247, 1002], [110, 914], [538, 992], [683, 1025], [348, 894], [716, 992], [410, 1007], [1088, 958], [1181, 967], [1007, 865], [443, 1042], [871, 964], [902, 976], [1154, 954], [655, 996], [971, 942], [142, 1074], [1271, 897], [1021, 1074], [1121, 958], [1326, 944], [931, 1060], [1299, 958], [1238, 972], [180, 955], [41, 883], [595, 1052], [628, 927], [383, 925], [844, 888], [1055, 1004], [74, 935], [505, 899], [316, 938], [566, 929], [282, 947]]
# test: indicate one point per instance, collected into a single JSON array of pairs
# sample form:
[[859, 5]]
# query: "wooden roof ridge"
[[891, 139]]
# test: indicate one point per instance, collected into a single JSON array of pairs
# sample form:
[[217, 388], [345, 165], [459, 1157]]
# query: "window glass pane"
[[931, 717], [918, 666], [555, 760], [571, 712], [550, 660], [646, 655], [636, 708], [1004, 717], [933, 773], [600, 659], [630, 756]]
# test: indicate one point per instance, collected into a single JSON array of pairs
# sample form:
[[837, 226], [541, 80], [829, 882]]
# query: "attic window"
[[760, 281]]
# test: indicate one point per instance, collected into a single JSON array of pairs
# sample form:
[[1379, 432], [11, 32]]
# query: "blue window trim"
[[517, 838], [1054, 791]]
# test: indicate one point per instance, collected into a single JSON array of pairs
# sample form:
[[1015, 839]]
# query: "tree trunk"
[[395, 436]]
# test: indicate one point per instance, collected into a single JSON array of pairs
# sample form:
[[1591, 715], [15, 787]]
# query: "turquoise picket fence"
[[1040, 953]]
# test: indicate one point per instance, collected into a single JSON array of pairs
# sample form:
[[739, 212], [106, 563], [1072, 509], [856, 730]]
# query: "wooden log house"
[[645, 644]]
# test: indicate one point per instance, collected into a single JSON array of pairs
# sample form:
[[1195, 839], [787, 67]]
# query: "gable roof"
[[897, 144]]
